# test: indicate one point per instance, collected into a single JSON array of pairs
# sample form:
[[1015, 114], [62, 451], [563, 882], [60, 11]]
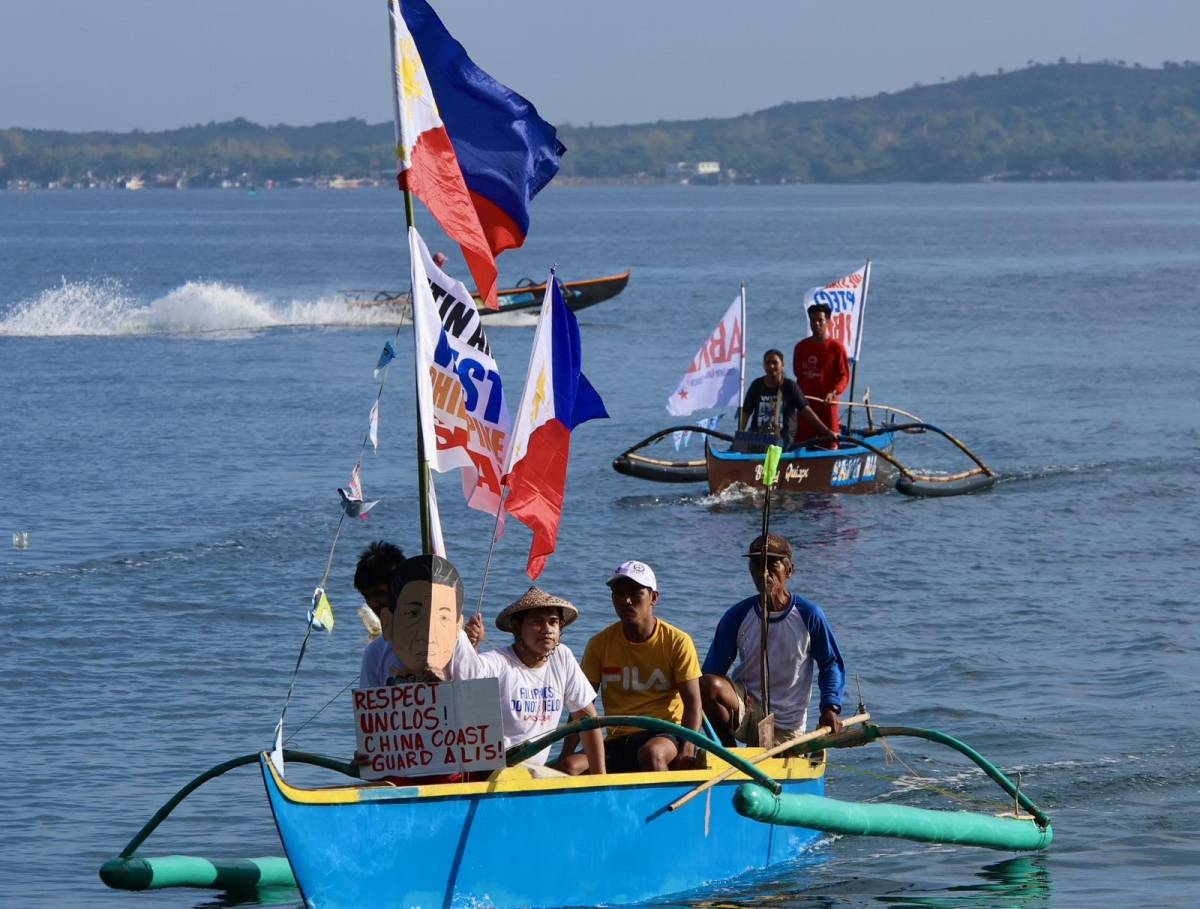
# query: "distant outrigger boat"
[[864, 462], [526, 295]]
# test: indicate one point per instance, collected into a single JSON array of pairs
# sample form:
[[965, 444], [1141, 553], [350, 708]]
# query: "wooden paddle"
[[799, 739]]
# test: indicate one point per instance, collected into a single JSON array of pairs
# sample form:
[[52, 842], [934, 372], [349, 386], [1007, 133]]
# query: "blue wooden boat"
[[516, 840], [520, 839]]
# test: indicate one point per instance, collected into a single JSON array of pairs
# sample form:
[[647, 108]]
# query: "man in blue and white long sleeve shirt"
[[799, 643]]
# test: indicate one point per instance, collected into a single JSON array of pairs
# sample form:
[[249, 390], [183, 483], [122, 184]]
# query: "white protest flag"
[[715, 376], [437, 542], [464, 420], [847, 299]]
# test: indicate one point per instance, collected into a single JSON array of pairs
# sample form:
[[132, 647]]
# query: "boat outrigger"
[[525, 296], [451, 844]]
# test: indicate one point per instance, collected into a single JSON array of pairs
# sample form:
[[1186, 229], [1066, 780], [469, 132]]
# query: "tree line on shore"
[[1060, 121]]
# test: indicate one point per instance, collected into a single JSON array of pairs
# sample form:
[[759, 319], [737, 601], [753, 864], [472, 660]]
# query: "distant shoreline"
[[1062, 122]]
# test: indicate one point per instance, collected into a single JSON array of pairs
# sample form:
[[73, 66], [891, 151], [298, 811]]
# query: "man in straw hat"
[[539, 676], [643, 667], [799, 641]]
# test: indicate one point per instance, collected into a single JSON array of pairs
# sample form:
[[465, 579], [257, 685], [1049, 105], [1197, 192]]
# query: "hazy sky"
[[155, 64]]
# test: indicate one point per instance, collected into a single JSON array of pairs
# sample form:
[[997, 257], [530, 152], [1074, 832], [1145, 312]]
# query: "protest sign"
[[426, 728]]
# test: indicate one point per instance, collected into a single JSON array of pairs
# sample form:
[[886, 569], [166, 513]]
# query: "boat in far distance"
[[526, 295]]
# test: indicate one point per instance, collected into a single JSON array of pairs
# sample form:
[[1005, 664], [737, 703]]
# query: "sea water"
[[182, 391]]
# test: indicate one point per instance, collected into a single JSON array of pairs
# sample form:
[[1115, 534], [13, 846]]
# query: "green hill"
[[1073, 121]]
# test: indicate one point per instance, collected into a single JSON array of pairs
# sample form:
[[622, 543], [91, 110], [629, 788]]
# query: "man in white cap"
[[643, 666], [539, 676]]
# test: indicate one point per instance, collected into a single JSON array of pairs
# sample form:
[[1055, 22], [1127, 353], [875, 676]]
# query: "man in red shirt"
[[822, 370]]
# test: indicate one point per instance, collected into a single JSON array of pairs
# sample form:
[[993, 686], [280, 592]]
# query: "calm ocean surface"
[[181, 393]]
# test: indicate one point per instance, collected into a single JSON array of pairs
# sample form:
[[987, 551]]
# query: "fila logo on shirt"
[[630, 679]]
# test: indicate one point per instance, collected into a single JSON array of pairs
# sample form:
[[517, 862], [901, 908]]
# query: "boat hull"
[[848, 469], [520, 841]]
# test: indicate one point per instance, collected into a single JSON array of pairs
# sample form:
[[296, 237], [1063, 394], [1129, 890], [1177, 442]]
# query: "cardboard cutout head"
[[426, 615]]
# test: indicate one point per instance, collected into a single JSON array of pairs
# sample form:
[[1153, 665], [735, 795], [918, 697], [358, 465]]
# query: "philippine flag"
[[474, 151], [556, 399]]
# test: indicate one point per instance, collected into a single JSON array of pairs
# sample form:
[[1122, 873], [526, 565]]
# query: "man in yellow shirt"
[[643, 666]]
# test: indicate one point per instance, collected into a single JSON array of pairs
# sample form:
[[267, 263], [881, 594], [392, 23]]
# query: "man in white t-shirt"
[[539, 676]]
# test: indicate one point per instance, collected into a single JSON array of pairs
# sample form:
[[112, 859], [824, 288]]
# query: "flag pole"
[[742, 376], [862, 306], [422, 461], [410, 222]]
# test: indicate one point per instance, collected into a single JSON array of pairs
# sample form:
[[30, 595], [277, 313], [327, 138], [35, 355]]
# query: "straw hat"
[[536, 598]]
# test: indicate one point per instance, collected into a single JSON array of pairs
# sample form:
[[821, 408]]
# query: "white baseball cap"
[[638, 572]]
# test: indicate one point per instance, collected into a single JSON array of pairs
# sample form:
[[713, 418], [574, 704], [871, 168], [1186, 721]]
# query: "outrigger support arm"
[[526, 750], [923, 427], [294, 757], [916, 484], [869, 733], [650, 440]]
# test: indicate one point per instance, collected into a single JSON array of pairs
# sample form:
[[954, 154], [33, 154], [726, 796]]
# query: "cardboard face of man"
[[424, 628]]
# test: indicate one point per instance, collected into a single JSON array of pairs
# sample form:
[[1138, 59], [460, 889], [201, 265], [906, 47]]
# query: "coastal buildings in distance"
[[698, 173]]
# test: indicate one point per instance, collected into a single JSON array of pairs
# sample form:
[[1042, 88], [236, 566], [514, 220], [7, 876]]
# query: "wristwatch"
[[836, 708]]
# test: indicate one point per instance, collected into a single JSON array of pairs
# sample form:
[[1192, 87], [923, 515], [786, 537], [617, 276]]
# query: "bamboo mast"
[[862, 305], [410, 222]]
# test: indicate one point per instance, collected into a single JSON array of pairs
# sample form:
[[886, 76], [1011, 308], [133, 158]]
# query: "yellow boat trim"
[[513, 780]]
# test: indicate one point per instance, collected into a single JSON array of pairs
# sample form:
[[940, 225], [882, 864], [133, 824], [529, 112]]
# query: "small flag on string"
[[373, 432], [321, 616], [386, 357], [352, 497]]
